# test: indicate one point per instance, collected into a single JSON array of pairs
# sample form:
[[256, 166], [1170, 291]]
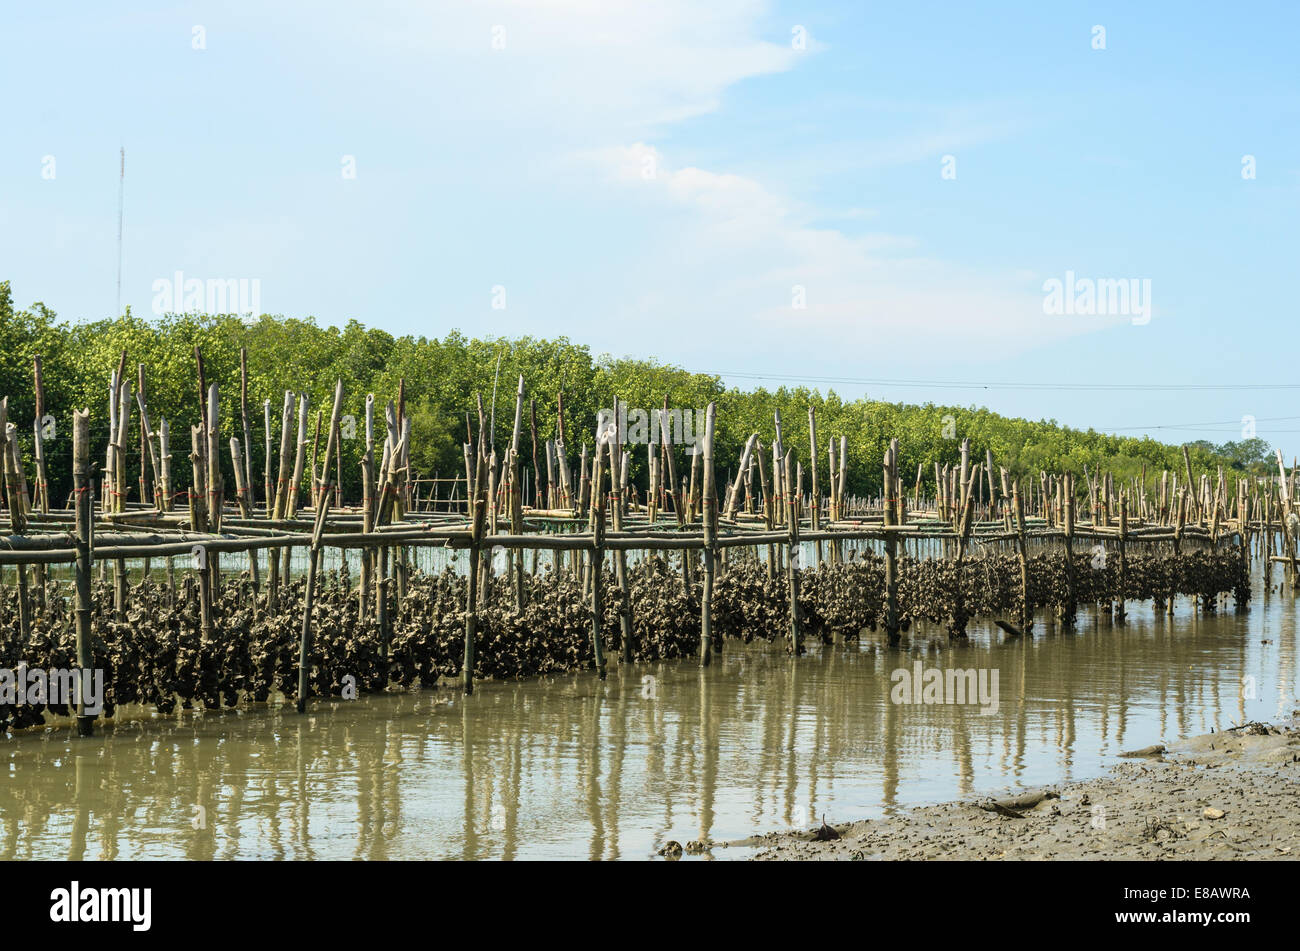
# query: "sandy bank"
[[1157, 806]]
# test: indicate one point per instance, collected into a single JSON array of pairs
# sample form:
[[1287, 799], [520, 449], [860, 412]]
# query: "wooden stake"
[[710, 518], [84, 532]]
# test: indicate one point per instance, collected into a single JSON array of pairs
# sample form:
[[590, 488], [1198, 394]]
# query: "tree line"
[[444, 377]]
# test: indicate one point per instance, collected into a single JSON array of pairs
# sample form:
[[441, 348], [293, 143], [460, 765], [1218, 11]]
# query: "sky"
[[910, 201]]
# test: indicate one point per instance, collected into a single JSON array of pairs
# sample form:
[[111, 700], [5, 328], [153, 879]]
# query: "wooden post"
[[966, 488], [165, 465], [1285, 516], [891, 549], [1067, 490], [1027, 604], [248, 441], [199, 523], [42, 481], [366, 582], [617, 469], [299, 460], [792, 562], [84, 530], [216, 483], [241, 488], [269, 499], [516, 498], [1266, 537], [746, 454], [309, 597], [478, 491], [988, 472], [843, 474], [769, 509], [313, 561], [963, 535], [597, 563], [584, 490], [1122, 613], [1189, 496], [693, 496], [816, 496], [709, 512], [119, 494], [1176, 545], [289, 507], [17, 520], [338, 466], [836, 555], [277, 507]]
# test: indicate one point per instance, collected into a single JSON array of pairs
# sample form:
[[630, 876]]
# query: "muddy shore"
[[1233, 794]]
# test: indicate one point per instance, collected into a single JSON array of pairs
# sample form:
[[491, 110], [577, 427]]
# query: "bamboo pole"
[[85, 530], [769, 509], [199, 522], [269, 497], [278, 507], [733, 497], [891, 549], [792, 561], [963, 536], [313, 561], [516, 498], [366, 582], [1026, 601], [597, 562], [618, 470], [1121, 612], [537, 474], [816, 494], [216, 484], [1176, 544], [248, 436], [42, 479], [292, 489], [165, 464], [119, 493], [479, 494], [710, 520], [241, 489], [17, 520], [317, 475]]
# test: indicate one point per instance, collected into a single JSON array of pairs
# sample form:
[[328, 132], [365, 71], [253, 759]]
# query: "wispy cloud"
[[590, 65], [751, 253]]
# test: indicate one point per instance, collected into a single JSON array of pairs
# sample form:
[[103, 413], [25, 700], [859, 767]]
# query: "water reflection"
[[570, 767]]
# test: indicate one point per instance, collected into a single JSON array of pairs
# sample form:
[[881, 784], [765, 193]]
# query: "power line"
[[974, 385], [1232, 423]]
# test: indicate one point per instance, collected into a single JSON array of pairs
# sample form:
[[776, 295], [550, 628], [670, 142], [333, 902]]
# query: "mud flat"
[[1233, 794]]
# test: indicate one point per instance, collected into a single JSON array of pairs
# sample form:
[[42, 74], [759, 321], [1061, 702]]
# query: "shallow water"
[[570, 767]]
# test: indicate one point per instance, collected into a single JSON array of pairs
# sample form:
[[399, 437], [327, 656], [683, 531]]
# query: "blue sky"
[[657, 179]]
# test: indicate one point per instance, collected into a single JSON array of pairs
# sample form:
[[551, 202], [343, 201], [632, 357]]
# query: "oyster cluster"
[[156, 654]]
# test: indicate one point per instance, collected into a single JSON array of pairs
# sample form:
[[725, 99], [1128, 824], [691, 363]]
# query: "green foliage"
[[444, 378]]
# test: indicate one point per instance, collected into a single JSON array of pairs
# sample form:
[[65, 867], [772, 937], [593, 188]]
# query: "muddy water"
[[572, 768]]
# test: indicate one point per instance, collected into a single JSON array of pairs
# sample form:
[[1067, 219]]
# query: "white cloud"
[[574, 66], [743, 248]]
